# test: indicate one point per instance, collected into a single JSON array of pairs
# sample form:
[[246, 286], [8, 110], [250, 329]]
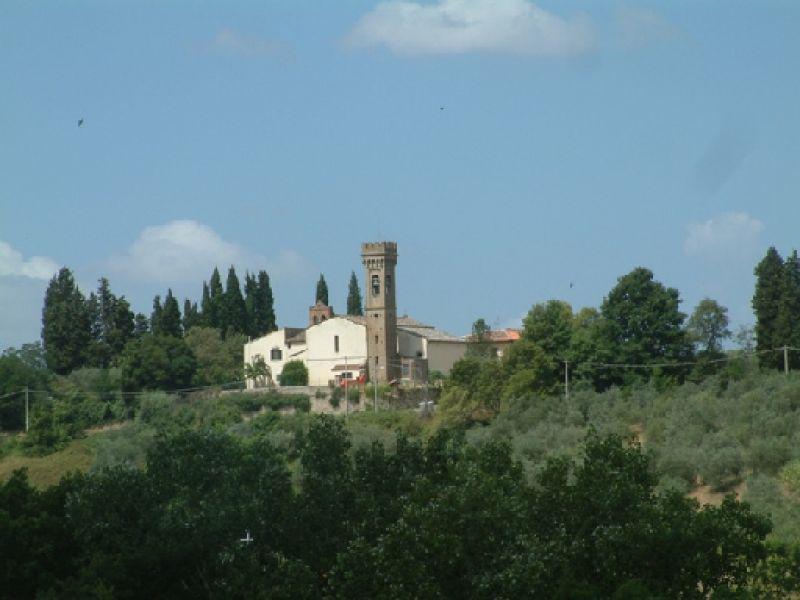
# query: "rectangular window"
[[276, 354], [336, 343], [376, 339], [376, 285]]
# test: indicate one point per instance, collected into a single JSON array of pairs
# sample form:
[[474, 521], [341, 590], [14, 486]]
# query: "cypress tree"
[[66, 327], [234, 310], [215, 295], [155, 316], [354, 296], [205, 307], [170, 323], [767, 301], [322, 290], [251, 302], [191, 316], [268, 303]]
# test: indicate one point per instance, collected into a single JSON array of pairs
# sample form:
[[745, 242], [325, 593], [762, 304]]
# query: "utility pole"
[[27, 419], [786, 360], [346, 397], [566, 379]]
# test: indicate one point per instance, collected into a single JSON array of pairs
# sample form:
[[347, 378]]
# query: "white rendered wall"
[[263, 346], [322, 356]]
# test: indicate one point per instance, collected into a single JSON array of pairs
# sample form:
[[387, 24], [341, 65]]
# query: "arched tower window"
[[376, 285]]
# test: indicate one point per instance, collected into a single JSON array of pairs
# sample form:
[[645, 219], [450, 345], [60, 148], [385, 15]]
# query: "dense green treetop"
[[66, 324], [641, 323], [218, 361], [550, 325], [767, 305], [708, 326], [157, 362], [787, 325]]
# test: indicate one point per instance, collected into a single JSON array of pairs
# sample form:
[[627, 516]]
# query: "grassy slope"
[[45, 471]]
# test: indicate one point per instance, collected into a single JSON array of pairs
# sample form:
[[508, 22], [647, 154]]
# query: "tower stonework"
[[380, 311]]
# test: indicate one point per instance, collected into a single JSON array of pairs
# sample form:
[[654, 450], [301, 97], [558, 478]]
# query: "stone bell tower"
[[380, 310]]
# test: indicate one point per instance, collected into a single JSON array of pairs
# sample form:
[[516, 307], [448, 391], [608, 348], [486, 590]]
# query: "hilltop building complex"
[[378, 345]]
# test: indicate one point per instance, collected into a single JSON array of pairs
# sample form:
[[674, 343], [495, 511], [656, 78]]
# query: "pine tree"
[[322, 290], [354, 297], [66, 328], [268, 303], [191, 316], [767, 300], [155, 316], [170, 323], [234, 309]]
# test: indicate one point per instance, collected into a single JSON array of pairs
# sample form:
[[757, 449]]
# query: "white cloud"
[[187, 251], [230, 40], [730, 235], [460, 26], [21, 301], [36, 267]]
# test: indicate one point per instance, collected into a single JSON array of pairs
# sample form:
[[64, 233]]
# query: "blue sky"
[[578, 140]]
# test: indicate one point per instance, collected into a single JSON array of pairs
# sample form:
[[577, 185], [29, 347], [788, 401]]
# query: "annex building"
[[378, 344]]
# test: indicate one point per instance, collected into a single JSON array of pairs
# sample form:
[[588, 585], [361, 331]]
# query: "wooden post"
[[786, 360]]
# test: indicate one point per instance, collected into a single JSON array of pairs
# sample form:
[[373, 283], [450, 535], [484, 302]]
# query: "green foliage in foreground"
[[439, 520], [726, 434]]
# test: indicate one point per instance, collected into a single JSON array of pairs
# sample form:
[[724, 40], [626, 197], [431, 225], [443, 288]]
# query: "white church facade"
[[378, 345]]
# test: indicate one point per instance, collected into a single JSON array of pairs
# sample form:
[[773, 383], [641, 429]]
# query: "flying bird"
[[570, 284], [80, 122], [441, 108]]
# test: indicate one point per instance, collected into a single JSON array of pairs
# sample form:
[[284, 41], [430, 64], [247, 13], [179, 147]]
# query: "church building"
[[379, 345]]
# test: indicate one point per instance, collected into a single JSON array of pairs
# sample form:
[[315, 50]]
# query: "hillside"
[[704, 440]]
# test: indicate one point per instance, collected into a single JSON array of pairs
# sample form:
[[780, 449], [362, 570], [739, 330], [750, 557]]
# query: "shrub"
[[276, 401], [722, 462], [246, 402], [354, 395], [125, 447], [770, 454], [294, 372], [45, 435], [336, 397], [790, 476], [154, 409]]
